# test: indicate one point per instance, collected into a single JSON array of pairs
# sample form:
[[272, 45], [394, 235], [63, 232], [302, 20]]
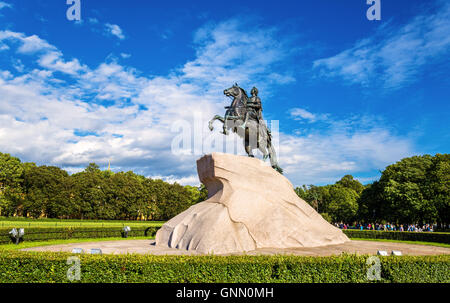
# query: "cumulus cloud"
[[4, 5], [301, 114], [354, 144], [229, 52], [115, 30], [28, 44], [114, 112], [393, 56]]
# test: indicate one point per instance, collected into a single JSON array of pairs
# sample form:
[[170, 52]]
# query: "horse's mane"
[[244, 93]]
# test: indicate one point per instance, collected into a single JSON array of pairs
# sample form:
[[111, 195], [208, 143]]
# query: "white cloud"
[[4, 5], [189, 180], [393, 56], [28, 44], [303, 114], [113, 112], [228, 52], [54, 61], [353, 145], [115, 30], [93, 20]]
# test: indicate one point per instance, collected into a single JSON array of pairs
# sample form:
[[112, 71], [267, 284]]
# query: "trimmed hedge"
[[54, 233], [399, 235], [47, 267]]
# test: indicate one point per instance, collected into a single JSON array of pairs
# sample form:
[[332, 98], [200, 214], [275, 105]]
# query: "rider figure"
[[254, 108]]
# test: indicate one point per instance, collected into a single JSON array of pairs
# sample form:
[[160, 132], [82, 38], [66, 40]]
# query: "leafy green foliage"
[[413, 190], [48, 191], [52, 267], [435, 237], [11, 179], [338, 201], [51, 233], [343, 205]]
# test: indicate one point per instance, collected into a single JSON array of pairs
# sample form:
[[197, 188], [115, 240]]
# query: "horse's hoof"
[[251, 156]]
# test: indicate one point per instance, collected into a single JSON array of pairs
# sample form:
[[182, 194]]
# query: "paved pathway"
[[149, 247]]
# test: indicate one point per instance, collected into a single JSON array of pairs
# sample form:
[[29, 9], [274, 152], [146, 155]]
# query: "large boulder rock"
[[249, 206]]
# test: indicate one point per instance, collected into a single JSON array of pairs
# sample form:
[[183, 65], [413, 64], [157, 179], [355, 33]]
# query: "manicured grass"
[[401, 241], [26, 222], [68, 241], [64, 241]]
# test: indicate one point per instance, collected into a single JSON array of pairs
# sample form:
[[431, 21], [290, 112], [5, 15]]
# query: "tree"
[[11, 180], [47, 192], [349, 182], [439, 184], [203, 193], [343, 206], [316, 196], [197, 193], [170, 199], [371, 204], [90, 193], [127, 198], [408, 190]]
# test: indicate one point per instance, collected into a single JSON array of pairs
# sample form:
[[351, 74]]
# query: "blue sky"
[[351, 95]]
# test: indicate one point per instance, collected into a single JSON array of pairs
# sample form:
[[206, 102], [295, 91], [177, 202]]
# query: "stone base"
[[250, 206]]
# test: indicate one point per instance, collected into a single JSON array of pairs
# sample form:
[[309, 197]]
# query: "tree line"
[[29, 190], [415, 190]]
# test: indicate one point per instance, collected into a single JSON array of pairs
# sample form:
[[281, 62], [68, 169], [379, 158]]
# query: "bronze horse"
[[255, 133]]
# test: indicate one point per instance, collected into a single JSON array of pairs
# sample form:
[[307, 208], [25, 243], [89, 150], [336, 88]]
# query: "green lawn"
[[25, 222], [26, 244], [402, 241], [67, 241]]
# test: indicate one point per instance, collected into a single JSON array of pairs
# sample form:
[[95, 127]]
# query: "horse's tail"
[[269, 136], [273, 158], [272, 153]]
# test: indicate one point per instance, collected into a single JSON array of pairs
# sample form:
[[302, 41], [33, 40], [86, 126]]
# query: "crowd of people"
[[389, 227]]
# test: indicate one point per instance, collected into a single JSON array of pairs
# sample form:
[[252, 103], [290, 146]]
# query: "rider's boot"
[[245, 121]]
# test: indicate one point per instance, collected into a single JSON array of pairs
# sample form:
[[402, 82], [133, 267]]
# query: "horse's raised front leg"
[[216, 117]]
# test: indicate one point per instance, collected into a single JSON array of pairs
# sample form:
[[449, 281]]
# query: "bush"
[[53, 233], [52, 267], [399, 235]]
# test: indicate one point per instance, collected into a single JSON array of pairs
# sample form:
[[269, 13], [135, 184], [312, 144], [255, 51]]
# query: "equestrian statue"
[[244, 117]]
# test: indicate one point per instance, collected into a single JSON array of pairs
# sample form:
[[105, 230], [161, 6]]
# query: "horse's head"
[[233, 91], [239, 102], [237, 93]]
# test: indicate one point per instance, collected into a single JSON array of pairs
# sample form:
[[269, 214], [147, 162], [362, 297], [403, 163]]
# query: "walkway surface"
[[149, 247]]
